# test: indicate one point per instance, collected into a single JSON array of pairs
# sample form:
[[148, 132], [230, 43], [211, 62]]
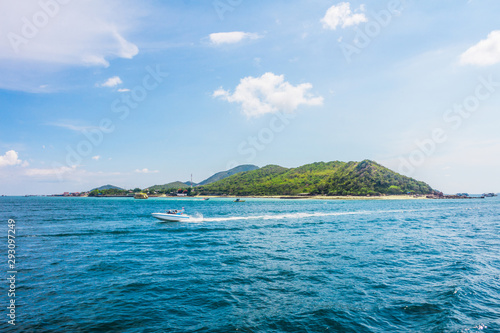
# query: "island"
[[329, 180]]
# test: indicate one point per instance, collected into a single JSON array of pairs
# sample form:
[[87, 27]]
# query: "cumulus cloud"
[[269, 93], [111, 82], [10, 158], [341, 15], [145, 170], [97, 157], [484, 53], [231, 37], [87, 33]]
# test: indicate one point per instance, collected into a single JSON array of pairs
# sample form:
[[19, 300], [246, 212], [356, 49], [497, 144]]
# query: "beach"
[[324, 197]]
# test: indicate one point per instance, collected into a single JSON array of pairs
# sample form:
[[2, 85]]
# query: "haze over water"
[[105, 265]]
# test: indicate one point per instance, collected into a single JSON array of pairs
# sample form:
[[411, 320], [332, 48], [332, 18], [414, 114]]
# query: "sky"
[[137, 93]]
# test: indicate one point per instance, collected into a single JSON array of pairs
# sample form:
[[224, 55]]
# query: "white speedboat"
[[172, 215]]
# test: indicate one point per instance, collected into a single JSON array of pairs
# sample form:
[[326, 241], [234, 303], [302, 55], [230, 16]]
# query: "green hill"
[[173, 185], [224, 174], [331, 178], [108, 187]]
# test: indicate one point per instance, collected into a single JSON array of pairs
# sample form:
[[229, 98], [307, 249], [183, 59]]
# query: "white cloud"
[[123, 90], [97, 157], [484, 53], [269, 93], [111, 82], [61, 173], [10, 158], [146, 171], [50, 171], [77, 33], [72, 125], [231, 37], [341, 15]]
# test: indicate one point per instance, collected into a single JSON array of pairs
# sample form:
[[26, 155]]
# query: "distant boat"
[[172, 215], [206, 198], [238, 200], [141, 196]]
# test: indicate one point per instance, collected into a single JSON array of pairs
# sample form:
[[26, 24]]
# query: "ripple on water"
[[266, 266]]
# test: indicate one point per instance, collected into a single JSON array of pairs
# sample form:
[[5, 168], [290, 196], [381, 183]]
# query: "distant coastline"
[[293, 197], [283, 197], [336, 180], [326, 197]]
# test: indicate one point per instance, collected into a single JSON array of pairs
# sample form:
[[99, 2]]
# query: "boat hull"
[[171, 217]]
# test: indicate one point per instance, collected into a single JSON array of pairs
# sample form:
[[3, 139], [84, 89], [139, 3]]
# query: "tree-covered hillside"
[[108, 187], [108, 192], [224, 174], [169, 186], [332, 178]]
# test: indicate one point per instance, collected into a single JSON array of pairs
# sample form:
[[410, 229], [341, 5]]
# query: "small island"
[[328, 179], [321, 180]]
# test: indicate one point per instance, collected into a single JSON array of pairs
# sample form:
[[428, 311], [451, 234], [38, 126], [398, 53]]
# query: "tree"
[[393, 189]]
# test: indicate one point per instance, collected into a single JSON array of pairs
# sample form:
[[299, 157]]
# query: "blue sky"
[[136, 93]]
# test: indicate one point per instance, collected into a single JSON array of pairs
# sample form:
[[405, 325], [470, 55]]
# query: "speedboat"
[[172, 215], [239, 200]]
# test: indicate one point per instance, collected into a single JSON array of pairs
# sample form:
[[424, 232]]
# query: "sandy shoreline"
[[283, 197], [321, 197]]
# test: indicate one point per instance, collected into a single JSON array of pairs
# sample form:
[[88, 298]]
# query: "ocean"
[[265, 265]]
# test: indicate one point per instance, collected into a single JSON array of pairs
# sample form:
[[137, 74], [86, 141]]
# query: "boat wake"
[[197, 218], [200, 218]]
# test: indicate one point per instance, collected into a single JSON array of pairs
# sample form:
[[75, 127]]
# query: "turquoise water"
[[105, 265]]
